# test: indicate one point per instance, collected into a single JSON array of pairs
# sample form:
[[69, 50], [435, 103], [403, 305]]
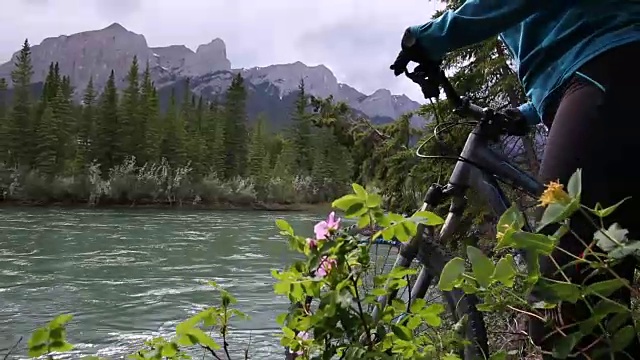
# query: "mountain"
[[271, 89]]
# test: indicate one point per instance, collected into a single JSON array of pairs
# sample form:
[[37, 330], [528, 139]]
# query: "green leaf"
[[512, 218], [533, 267], [622, 338], [601, 311], [555, 213], [609, 239], [169, 350], [364, 221], [373, 201], [628, 249], [60, 346], [37, 351], [563, 347], [500, 355], [600, 212], [39, 336], [60, 320], [190, 323], [566, 291], [202, 338], [574, 188], [451, 274], [481, 266], [288, 333], [431, 314], [451, 357], [428, 218], [359, 190], [56, 333], [284, 226], [402, 332], [605, 288], [378, 292], [346, 202], [537, 243], [618, 320], [388, 233], [505, 271], [281, 318], [356, 210]]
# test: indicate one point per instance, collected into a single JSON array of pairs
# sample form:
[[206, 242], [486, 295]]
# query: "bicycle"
[[477, 167]]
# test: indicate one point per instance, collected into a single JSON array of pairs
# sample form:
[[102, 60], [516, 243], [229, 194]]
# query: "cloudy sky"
[[356, 39]]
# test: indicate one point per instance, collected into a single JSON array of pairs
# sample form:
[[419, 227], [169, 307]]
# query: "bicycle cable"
[[445, 127]]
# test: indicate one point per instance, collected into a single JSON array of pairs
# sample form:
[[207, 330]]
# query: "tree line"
[[113, 143]]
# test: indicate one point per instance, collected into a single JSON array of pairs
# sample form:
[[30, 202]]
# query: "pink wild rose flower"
[[312, 242], [323, 228], [325, 266], [303, 335]]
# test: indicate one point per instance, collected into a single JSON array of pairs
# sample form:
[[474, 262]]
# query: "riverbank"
[[257, 206]]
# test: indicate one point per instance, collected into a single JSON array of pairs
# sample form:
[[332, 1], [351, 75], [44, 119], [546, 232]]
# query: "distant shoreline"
[[176, 206]]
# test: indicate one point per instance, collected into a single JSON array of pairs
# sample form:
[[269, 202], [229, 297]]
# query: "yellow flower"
[[500, 234], [553, 194]]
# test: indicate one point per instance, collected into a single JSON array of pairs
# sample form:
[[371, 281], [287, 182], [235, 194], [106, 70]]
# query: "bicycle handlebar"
[[429, 75]]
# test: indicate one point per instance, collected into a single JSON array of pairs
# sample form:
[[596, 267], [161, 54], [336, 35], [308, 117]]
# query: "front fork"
[[435, 196]]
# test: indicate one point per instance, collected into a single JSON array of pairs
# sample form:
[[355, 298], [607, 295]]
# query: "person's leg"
[[597, 131]]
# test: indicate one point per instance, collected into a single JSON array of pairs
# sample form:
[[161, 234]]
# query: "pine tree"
[[235, 130], [213, 129], [46, 160], [65, 123], [284, 161], [4, 122], [150, 120], [108, 147], [301, 132], [194, 142], [173, 145], [131, 130], [258, 151], [87, 127], [20, 128]]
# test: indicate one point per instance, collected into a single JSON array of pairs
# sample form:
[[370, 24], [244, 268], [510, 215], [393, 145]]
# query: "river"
[[129, 275]]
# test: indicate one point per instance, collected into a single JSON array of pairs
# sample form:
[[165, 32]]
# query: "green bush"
[[129, 183], [330, 313]]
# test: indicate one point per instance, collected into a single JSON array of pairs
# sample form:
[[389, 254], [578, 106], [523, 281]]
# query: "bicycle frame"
[[478, 168]]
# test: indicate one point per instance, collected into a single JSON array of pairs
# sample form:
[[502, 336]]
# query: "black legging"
[[597, 128]]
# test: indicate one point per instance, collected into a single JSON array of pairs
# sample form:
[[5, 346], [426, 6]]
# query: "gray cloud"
[[356, 39], [118, 8]]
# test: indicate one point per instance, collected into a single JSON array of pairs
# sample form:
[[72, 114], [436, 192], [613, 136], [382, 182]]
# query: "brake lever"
[[429, 86]]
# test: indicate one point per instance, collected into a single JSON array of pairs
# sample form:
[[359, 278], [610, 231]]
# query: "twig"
[[246, 351], [360, 311], [527, 313], [409, 301], [211, 351], [225, 344], [12, 348]]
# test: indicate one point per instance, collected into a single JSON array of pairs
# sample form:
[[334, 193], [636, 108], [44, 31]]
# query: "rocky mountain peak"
[[210, 57], [381, 93], [87, 54], [93, 54], [116, 27], [318, 80]]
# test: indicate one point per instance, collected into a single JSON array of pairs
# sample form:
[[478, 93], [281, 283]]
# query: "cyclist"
[[578, 63]]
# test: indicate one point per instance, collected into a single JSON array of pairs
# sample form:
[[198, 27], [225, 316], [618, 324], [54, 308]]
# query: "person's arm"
[[475, 21], [530, 114]]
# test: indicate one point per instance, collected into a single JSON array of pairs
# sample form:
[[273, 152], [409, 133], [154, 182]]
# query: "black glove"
[[515, 123], [412, 51]]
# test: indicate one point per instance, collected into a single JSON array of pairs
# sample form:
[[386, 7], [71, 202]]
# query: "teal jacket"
[[549, 40]]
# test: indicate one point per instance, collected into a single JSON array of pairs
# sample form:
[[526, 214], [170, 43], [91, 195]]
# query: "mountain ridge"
[[94, 53]]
